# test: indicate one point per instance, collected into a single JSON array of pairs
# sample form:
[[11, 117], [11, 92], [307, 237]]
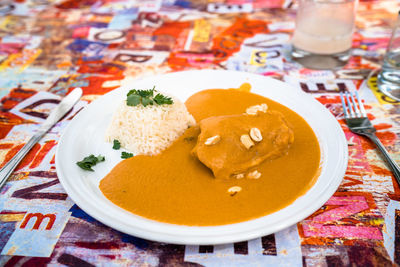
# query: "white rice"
[[151, 129]]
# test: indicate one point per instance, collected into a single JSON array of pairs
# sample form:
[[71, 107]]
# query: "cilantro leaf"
[[161, 99], [133, 100], [116, 144], [88, 162], [146, 97], [147, 101], [86, 166], [100, 158], [126, 155], [146, 93], [132, 92]]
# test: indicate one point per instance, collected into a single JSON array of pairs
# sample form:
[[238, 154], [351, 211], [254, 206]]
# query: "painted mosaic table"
[[47, 48]]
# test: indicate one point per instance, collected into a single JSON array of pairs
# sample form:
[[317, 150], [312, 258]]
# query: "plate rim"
[[222, 238]]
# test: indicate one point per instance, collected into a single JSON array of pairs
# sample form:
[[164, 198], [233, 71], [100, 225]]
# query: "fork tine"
[[357, 111], [363, 113], [352, 114], [344, 105]]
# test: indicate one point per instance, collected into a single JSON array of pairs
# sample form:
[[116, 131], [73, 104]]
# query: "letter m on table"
[[39, 219], [38, 232]]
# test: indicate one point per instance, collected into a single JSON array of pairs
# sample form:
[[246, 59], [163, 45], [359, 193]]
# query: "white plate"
[[85, 136]]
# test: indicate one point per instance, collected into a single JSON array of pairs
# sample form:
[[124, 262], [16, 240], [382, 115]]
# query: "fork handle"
[[392, 164]]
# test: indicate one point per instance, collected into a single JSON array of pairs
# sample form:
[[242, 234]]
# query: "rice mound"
[[151, 129]]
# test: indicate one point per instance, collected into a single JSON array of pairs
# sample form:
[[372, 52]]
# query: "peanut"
[[234, 190], [239, 176], [254, 175], [255, 134], [253, 110], [246, 141], [212, 140]]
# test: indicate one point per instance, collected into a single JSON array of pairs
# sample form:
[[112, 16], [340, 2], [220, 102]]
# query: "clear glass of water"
[[323, 34], [389, 76]]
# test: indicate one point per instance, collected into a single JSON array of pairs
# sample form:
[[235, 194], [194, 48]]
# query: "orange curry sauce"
[[175, 187]]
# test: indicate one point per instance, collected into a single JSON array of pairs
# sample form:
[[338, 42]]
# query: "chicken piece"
[[231, 146]]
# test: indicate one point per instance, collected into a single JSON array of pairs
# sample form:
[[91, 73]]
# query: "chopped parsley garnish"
[[146, 97], [88, 162], [116, 144], [126, 155]]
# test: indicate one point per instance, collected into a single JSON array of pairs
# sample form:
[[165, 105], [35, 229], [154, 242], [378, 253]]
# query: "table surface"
[[47, 48]]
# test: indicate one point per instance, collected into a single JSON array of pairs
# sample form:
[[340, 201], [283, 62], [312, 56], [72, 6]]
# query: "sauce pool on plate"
[[175, 187]]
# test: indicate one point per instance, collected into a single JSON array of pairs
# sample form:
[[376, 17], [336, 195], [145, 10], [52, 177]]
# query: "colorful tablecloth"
[[48, 47]]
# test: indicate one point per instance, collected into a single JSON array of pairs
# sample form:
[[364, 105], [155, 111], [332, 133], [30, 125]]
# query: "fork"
[[358, 123]]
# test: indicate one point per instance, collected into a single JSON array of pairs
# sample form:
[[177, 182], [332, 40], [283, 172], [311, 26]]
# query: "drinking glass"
[[389, 76], [323, 34]]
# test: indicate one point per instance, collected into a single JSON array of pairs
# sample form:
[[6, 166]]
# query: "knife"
[[62, 108]]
